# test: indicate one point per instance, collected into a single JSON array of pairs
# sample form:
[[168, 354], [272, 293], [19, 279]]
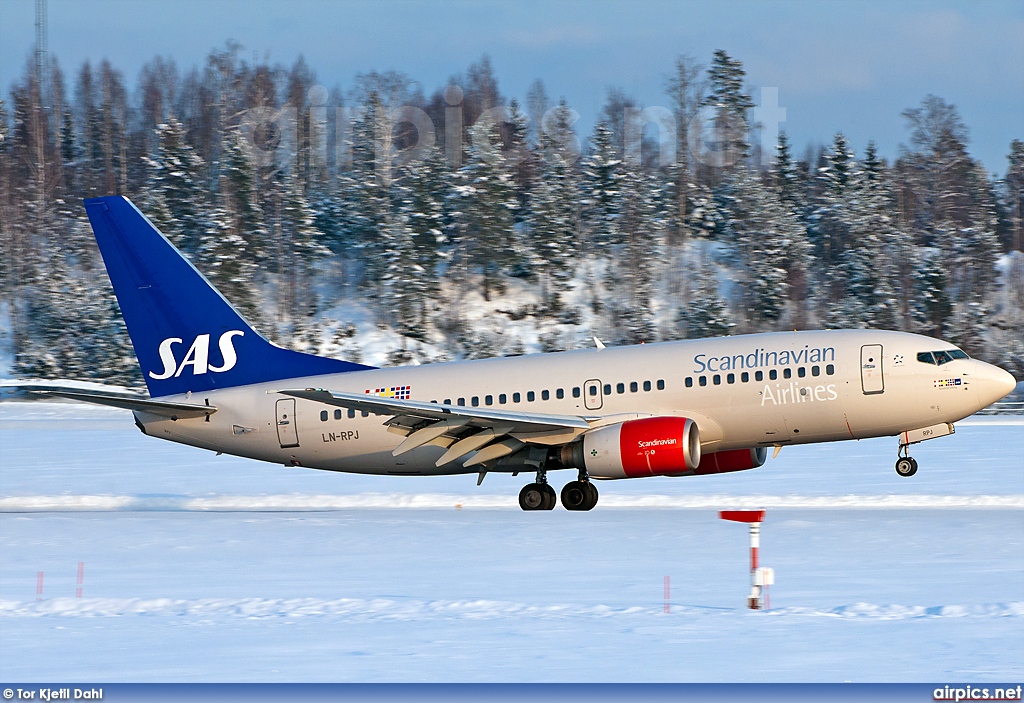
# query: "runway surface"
[[203, 568]]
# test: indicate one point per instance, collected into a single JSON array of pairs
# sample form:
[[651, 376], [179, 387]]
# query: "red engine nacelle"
[[732, 460], [653, 446]]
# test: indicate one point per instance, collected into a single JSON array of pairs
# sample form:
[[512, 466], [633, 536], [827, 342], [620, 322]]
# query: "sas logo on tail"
[[198, 356]]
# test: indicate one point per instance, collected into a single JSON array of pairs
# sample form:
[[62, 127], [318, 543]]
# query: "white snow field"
[[206, 568]]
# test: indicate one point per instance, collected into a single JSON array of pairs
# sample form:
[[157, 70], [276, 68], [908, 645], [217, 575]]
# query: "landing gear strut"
[[906, 465], [538, 495], [580, 494]]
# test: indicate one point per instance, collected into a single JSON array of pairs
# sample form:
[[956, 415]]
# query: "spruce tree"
[[732, 105], [485, 204], [177, 202], [554, 212]]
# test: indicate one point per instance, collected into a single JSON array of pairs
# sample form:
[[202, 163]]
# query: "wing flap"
[[475, 417]]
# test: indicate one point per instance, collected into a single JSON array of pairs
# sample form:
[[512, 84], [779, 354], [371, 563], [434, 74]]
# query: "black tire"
[[906, 466], [533, 497], [575, 495], [591, 495], [550, 497]]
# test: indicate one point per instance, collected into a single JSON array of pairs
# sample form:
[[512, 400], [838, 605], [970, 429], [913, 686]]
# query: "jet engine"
[[652, 446], [732, 460]]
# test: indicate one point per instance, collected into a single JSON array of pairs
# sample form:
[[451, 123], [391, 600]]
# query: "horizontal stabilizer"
[[154, 407]]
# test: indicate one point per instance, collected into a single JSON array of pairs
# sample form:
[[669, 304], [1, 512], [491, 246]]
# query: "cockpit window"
[[941, 357]]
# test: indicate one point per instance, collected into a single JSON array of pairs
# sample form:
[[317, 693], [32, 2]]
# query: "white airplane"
[[670, 409]]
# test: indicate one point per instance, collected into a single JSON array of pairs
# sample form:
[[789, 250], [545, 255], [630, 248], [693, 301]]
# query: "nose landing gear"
[[906, 465]]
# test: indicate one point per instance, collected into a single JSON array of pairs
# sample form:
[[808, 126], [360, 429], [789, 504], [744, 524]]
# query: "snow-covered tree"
[[707, 312], [484, 205], [176, 201], [555, 210], [767, 238]]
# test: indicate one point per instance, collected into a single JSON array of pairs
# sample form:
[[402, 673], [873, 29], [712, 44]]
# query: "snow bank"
[[444, 501], [361, 610]]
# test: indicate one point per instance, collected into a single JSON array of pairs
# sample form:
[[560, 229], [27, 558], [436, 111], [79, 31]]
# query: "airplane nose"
[[993, 383]]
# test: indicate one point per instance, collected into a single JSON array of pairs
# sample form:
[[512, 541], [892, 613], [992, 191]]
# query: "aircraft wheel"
[[550, 497], [906, 466], [534, 497], [591, 495], [575, 496]]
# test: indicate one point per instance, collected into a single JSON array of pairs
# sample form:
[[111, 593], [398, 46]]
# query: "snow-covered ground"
[[198, 567]]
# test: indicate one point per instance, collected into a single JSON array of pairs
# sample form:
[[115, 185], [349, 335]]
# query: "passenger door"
[[871, 379], [287, 432]]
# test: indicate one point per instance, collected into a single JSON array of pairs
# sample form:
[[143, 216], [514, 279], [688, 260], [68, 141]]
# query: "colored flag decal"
[[947, 382], [399, 392]]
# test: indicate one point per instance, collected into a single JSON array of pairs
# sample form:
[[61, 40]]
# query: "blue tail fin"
[[187, 337]]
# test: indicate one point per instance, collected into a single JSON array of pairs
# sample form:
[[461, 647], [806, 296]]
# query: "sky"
[[838, 66]]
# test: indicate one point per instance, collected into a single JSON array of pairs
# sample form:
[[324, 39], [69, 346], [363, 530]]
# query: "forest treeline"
[[293, 200]]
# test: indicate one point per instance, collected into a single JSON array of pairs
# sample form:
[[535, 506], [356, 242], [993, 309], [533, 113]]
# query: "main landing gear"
[[576, 495], [906, 465], [538, 495], [580, 494]]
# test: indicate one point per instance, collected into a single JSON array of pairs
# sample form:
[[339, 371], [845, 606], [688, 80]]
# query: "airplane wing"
[[462, 430], [155, 407]]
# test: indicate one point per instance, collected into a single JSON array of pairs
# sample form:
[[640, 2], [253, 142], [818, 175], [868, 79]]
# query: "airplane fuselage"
[[763, 390]]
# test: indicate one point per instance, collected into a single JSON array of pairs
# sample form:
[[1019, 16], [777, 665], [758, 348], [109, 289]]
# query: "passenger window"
[[787, 373], [323, 416], [633, 387], [759, 375], [531, 396], [576, 392], [502, 399], [607, 389], [488, 400], [717, 380], [703, 380], [365, 414], [516, 398], [830, 370], [593, 390], [647, 385], [730, 378], [689, 382], [447, 401], [337, 414], [476, 401], [559, 393], [620, 388], [661, 384], [351, 413], [801, 372], [461, 401], [544, 395], [773, 374], [745, 377], [815, 370]]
